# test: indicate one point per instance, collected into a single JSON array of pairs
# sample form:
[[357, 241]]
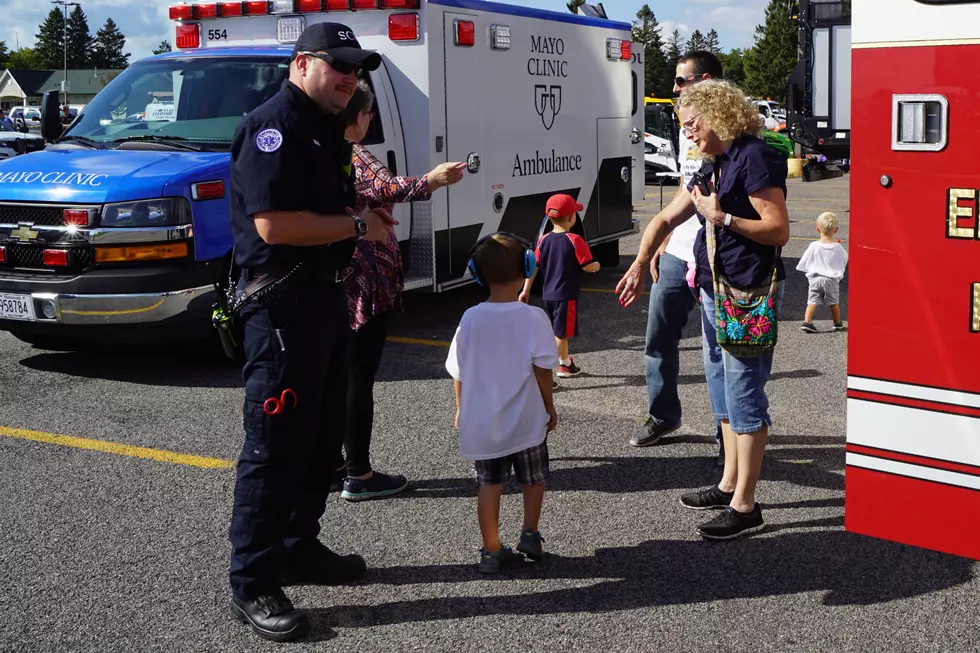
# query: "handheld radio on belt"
[[230, 302]]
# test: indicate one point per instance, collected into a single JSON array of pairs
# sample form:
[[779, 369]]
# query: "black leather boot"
[[271, 616]]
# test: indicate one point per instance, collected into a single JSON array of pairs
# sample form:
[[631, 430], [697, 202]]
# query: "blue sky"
[[145, 23]]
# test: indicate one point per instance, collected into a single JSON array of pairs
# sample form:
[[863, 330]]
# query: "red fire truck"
[[913, 389]]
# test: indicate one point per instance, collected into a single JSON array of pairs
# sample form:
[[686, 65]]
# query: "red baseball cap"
[[561, 206]]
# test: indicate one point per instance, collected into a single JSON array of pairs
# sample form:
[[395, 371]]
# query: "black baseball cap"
[[339, 41]]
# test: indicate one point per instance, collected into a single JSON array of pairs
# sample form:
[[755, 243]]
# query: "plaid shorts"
[[530, 467]]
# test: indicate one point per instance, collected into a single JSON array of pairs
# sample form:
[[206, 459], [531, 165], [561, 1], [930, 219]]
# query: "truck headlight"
[[162, 212]]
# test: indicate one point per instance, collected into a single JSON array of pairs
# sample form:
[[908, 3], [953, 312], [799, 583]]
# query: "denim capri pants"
[[737, 386]]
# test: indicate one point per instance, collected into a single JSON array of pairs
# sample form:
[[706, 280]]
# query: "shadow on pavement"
[[851, 569]]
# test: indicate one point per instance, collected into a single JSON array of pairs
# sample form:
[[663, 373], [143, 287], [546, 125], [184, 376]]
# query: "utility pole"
[[65, 4]]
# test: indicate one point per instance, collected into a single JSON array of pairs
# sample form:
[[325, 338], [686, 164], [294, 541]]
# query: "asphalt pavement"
[[108, 543]]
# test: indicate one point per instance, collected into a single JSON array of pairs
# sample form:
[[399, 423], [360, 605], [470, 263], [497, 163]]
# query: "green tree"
[[79, 40], [23, 59], [49, 49], [4, 54], [109, 44], [656, 70], [696, 42], [163, 47], [711, 42], [674, 47], [573, 5], [733, 63], [769, 64]]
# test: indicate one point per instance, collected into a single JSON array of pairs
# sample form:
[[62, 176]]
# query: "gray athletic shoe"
[[530, 544]]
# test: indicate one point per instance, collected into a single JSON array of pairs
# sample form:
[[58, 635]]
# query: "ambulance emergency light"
[[186, 11]]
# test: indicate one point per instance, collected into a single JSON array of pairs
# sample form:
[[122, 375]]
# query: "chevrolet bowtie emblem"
[[24, 233]]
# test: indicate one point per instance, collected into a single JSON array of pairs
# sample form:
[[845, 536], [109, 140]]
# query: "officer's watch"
[[360, 226]]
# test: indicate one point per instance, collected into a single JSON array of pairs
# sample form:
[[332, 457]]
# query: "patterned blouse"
[[375, 279]]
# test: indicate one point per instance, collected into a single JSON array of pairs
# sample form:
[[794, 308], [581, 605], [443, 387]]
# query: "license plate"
[[17, 307]]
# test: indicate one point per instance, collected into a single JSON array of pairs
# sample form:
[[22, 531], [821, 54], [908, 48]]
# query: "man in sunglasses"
[[672, 297], [294, 231]]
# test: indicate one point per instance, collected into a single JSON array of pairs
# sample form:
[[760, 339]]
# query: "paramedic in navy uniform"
[[291, 193]]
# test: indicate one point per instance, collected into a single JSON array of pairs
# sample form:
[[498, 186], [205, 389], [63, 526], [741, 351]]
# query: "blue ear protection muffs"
[[527, 269]]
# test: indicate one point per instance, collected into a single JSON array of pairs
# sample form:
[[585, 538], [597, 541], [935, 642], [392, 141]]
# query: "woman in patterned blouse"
[[374, 283]]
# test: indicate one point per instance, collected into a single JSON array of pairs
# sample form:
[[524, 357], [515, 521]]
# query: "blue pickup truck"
[[106, 235]]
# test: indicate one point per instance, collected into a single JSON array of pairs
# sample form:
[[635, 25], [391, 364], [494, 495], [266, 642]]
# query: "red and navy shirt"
[[561, 257]]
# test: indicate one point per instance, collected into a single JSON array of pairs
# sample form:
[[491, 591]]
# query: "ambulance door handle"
[[635, 136], [473, 162], [392, 163]]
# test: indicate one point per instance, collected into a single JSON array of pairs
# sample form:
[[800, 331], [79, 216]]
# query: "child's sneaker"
[[530, 544], [840, 327], [571, 369], [491, 563], [808, 327]]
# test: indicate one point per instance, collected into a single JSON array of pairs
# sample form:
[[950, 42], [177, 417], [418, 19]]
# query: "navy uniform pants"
[[296, 341]]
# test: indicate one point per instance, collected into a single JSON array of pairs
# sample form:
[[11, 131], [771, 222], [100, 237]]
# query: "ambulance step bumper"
[[114, 309]]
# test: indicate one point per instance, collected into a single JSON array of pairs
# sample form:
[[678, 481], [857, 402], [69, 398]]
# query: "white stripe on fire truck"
[[910, 391], [919, 472], [914, 431]]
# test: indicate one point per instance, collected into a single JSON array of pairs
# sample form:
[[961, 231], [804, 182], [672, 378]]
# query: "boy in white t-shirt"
[[501, 360], [824, 263]]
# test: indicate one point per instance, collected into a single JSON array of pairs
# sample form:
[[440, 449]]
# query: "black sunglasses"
[[681, 81], [341, 67]]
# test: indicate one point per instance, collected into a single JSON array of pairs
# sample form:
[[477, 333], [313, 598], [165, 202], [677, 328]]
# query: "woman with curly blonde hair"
[[740, 277]]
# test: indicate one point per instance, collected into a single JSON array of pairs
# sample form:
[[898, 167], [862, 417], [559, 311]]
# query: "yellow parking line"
[[119, 449], [419, 341]]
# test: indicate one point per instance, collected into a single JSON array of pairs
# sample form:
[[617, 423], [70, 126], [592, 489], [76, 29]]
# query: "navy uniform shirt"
[[748, 166], [561, 257], [288, 155]]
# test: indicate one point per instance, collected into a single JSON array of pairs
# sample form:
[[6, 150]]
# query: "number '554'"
[[217, 34]]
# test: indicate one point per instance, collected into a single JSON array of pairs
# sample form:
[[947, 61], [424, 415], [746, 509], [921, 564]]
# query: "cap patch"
[[268, 140]]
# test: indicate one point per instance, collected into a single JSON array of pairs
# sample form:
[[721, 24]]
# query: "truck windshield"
[[198, 99]]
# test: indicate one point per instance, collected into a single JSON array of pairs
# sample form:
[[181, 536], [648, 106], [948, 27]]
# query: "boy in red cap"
[[563, 257]]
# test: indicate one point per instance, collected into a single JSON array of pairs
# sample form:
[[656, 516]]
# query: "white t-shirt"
[[492, 353], [682, 238], [823, 259]]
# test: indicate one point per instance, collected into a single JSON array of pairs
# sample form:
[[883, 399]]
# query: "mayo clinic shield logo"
[[547, 102]]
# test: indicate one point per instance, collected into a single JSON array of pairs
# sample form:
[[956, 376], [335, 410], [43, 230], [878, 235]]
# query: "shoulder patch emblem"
[[268, 140]]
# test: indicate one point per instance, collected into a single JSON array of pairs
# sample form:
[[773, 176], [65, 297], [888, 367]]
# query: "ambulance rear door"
[[636, 135]]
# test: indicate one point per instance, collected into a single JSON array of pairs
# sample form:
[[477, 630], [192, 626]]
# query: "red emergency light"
[[206, 11], [231, 8], [208, 190], [255, 7], [55, 257], [363, 4], [627, 50], [399, 4], [3, 254], [308, 5], [403, 27], [75, 217], [188, 36], [335, 5], [465, 32], [181, 12]]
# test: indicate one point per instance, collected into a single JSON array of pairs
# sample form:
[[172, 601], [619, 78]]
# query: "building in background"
[[26, 87]]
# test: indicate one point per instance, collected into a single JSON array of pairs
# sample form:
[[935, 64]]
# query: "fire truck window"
[[376, 134]]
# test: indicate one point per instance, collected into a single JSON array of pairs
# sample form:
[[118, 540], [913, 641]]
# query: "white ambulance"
[[535, 102]]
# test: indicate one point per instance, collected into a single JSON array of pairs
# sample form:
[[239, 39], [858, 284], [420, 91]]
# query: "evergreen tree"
[[4, 54], [109, 44], [163, 47], [733, 63], [573, 5], [80, 40], [769, 64], [656, 71], [712, 44], [49, 49], [674, 48], [696, 42]]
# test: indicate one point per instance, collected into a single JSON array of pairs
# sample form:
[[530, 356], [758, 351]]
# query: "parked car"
[[12, 140]]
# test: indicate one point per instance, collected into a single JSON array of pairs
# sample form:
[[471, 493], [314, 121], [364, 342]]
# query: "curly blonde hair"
[[724, 107]]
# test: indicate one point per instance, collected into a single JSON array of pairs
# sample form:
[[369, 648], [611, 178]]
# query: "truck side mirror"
[[51, 128]]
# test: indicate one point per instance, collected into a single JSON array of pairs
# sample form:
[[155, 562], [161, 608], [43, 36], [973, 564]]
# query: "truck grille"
[[49, 216], [31, 257]]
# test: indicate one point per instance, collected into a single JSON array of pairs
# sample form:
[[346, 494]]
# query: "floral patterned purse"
[[745, 318]]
